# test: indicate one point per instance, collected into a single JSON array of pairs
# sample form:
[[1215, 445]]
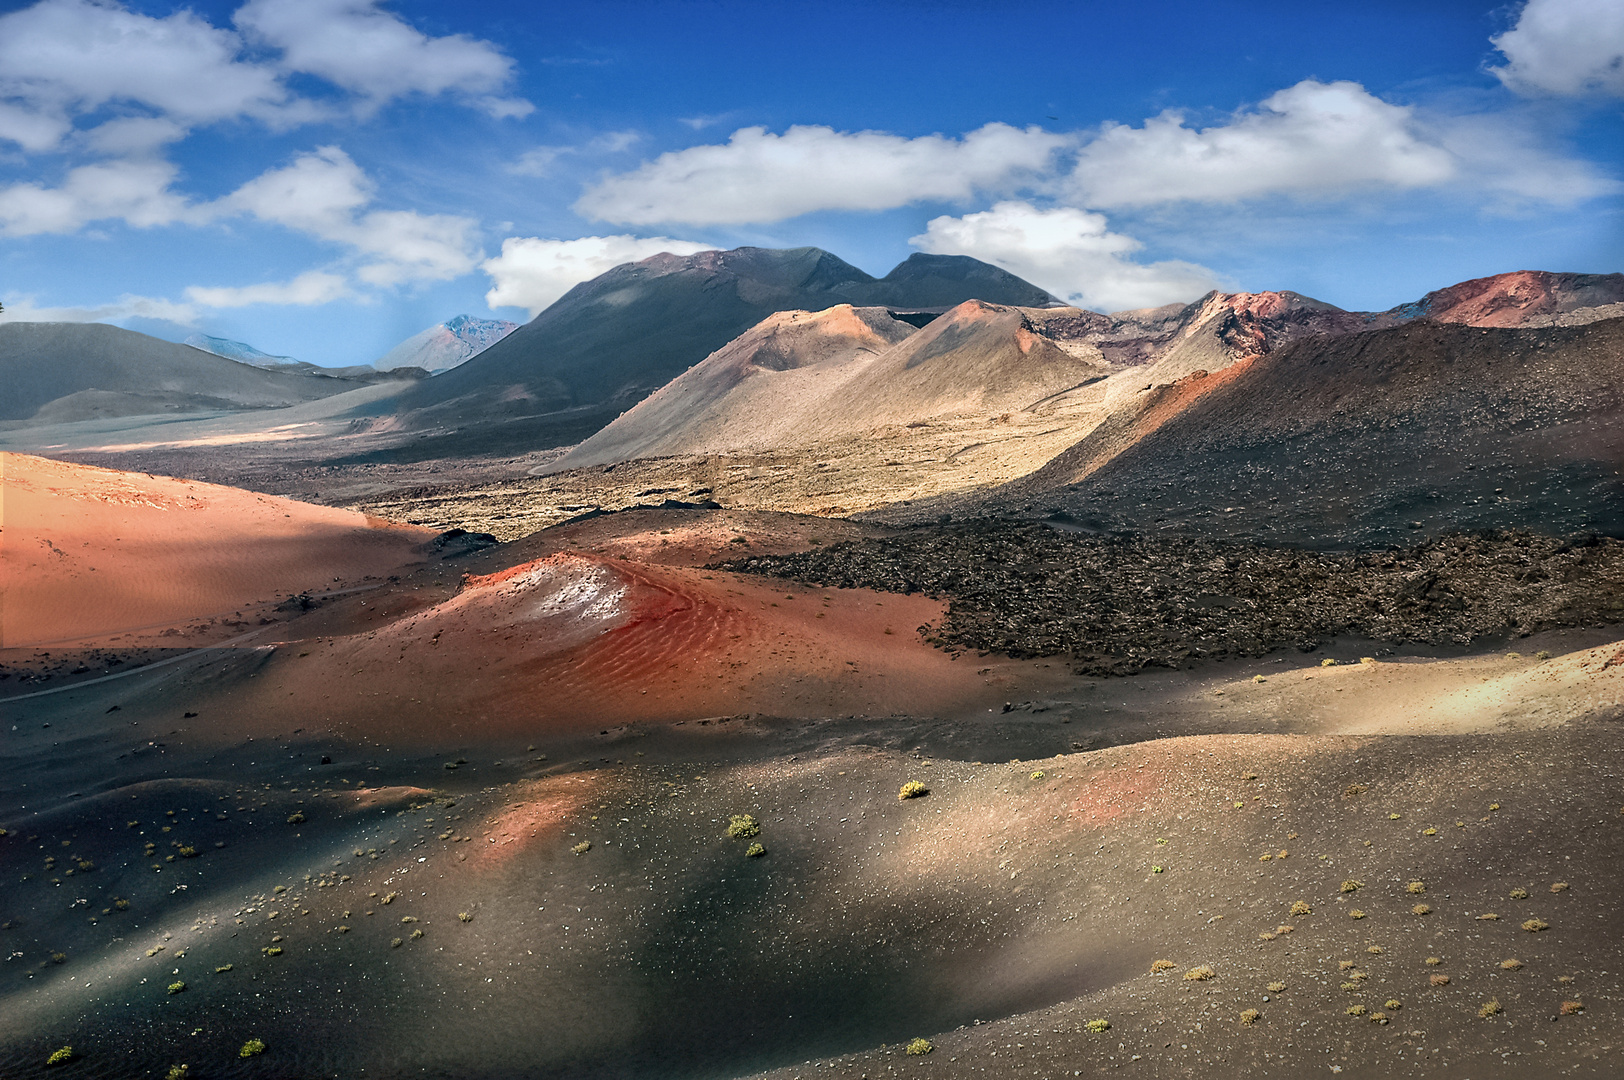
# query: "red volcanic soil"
[[90, 554], [571, 643], [1512, 299]]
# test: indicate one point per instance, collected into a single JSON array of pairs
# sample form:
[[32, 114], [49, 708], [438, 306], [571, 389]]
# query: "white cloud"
[[137, 192], [308, 289], [1506, 156], [1567, 47], [531, 273], [24, 310], [325, 194], [539, 161], [62, 60], [1070, 252], [1311, 139], [357, 45], [759, 177]]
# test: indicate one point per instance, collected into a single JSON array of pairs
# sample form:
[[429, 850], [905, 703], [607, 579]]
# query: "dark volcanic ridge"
[[1116, 605]]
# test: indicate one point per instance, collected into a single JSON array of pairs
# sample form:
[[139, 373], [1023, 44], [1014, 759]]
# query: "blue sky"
[[323, 178]]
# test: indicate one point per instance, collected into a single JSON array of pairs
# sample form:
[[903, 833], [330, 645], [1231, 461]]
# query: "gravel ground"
[[1117, 605]]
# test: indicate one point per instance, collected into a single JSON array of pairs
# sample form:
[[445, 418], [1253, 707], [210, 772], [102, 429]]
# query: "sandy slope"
[[90, 554]]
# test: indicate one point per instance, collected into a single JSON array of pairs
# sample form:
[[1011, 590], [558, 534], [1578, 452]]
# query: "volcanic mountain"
[[444, 346], [74, 371], [1362, 438], [611, 341]]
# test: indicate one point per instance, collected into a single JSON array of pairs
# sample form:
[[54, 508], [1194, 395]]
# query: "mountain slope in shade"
[[611, 341], [750, 393], [1364, 438], [74, 371], [238, 351], [446, 345]]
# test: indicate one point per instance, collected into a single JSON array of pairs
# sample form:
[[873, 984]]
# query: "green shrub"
[[754, 851], [60, 1057], [1199, 974], [178, 1072], [920, 1047], [913, 789], [1301, 908], [176, 987], [1251, 1016], [1097, 1026], [582, 848], [742, 826], [251, 1047]]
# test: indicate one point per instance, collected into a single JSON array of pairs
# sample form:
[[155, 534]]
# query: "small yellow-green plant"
[[1356, 914], [1328, 662], [1438, 980], [296, 818], [1156, 869], [1356, 1010], [920, 1047], [1351, 885], [1510, 965], [1038, 774], [178, 1072], [1301, 908], [1275, 987], [1374, 950], [1570, 1008], [1200, 974], [1534, 926], [1416, 888], [222, 969], [913, 789], [60, 1057], [176, 987], [1345, 965], [1392, 1005], [1491, 1007], [416, 934], [741, 826], [1098, 1026], [582, 848], [754, 851], [1559, 886], [251, 1047], [1434, 961], [1250, 1017], [1422, 909], [464, 916], [1429, 831], [1543, 654], [1159, 966], [1519, 894], [1379, 1018]]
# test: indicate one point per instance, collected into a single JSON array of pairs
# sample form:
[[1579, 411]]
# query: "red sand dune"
[[573, 642], [88, 554]]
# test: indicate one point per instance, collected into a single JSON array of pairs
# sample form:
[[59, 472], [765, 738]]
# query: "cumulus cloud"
[[357, 45], [63, 60], [308, 289], [137, 192], [758, 177], [531, 273], [1567, 47], [325, 194], [1311, 139], [1070, 252]]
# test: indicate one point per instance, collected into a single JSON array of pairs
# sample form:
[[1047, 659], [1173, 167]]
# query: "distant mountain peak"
[[236, 350], [444, 346]]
